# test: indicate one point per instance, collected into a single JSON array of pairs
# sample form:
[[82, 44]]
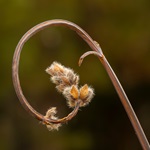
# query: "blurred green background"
[[123, 30]]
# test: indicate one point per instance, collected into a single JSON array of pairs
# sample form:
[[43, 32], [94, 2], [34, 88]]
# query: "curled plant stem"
[[124, 99], [15, 67], [65, 119], [86, 54], [97, 51]]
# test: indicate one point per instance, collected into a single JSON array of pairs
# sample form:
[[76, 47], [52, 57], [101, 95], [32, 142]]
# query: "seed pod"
[[50, 114], [86, 95]]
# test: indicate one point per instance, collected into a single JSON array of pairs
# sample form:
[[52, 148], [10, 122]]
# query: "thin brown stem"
[[123, 97], [127, 105]]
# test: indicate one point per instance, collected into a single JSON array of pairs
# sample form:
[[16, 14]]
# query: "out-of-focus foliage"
[[123, 30]]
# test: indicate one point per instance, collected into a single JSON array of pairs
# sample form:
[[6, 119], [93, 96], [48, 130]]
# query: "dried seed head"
[[72, 77], [65, 80], [55, 69], [50, 114], [67, 94], [84, 91], [86, 95], [71, 94], [67, 83], [56, 80], [58, 67], [74, 92], [60, 88], [61, 76]]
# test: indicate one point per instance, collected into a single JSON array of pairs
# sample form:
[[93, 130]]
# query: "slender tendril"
[[96, 51]]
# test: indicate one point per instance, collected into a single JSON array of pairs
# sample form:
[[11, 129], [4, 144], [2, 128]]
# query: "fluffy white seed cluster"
[[73, 95], [67, 83]]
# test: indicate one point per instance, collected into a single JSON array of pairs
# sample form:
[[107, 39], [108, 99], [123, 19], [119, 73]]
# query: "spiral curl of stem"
[[98, 52]]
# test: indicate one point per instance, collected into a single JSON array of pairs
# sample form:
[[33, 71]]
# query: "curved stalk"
[[123, 97], [127, 105], [97, 51]]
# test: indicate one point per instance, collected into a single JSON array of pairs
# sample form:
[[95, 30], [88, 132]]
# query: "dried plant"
[[68, 85]]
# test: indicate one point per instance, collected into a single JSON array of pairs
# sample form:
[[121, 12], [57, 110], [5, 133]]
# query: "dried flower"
[[84, 91], [86, 95], [55, 69], [50, 114], [61, 76], [96, 51], [74, 92], [73, 95], [67, 83]]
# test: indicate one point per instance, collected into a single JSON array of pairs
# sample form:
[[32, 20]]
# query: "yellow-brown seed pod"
[[84, 92], [74, 92], [58, 67]]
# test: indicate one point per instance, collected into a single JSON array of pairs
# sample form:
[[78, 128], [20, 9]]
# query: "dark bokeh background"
[[123, 30]]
